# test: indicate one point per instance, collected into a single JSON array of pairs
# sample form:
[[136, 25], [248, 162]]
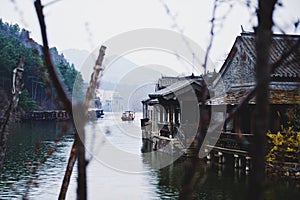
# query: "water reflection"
[[27, 145], [130, 174]]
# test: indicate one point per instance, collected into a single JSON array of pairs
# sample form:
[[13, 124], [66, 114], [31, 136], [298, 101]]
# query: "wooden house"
[[167, 109], [171, 114], [237, 79]]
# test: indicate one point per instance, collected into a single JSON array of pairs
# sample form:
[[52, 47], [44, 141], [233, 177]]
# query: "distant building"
[[111, 101]]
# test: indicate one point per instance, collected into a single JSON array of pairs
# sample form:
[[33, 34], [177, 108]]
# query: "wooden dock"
[[43, 115]]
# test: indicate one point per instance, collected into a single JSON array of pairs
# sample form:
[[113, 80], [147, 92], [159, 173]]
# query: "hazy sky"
[[86, 24]]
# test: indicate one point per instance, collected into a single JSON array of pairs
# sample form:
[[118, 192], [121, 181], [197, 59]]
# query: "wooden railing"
[[234, 143]]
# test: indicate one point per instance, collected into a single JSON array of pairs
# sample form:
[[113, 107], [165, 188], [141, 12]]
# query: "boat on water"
[[128, 115]]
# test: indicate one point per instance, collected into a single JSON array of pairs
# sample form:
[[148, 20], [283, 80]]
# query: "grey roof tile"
[[290, 67]]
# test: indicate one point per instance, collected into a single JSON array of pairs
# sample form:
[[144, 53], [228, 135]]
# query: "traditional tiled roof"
[[166, 81], [282, 91], [280, 44], [234, 97], [150, 101], [175, 88]]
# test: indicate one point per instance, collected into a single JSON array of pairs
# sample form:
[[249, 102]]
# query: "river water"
[[117, 168]]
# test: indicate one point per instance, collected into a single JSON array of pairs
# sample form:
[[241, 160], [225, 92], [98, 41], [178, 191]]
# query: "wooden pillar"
[[220, 169], [237, 161], [221, 158], [161, 114], [145, 110], [155, 117], [171, 111], [208, 157], [166, 114], [225, 124], [248, 163], [176, 116]]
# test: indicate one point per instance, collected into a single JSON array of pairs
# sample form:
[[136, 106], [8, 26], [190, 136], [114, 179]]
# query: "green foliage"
[[9, 48], [284, 145], [15, 42], [27, 103], [10, 29], [68, 75]]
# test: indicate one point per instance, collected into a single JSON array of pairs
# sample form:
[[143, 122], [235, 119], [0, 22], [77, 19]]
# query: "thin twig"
[[177, 27], [51, 2], [284, 56], [211, 35]]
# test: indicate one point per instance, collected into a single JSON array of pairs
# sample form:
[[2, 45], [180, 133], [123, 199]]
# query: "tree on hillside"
[[14, 42]]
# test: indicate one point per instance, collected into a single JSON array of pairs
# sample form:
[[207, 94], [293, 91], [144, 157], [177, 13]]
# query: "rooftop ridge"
[[274, 34]]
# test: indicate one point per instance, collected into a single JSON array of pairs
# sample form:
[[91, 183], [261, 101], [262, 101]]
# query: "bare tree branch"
[[213, 21], [17, 87], [51, 2], [78, 149], [80, 137], [68, 173], [176, 26], [284, 56], [211, 35], [261, 113], [48, 61], [81, 186]]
